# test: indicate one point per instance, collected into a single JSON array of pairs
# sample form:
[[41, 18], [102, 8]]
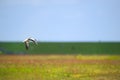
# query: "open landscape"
[[59, 67], [60, 40], [60, 61], [90, 48]]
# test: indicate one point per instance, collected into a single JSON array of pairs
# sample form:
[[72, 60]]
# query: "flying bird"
[[28, 40]]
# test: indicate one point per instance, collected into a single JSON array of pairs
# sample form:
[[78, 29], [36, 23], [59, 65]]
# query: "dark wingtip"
[[26, 46]]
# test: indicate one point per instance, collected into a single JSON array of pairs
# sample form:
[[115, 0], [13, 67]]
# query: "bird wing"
[[26, 45], [33, 40]]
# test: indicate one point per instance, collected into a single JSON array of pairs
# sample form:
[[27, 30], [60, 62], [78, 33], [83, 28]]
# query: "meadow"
[[60, 61], [60, 67], [61, 48]]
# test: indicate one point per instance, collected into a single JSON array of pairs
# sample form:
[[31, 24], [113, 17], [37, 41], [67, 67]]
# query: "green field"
[[59, 67], [62, 48], [60, 61]]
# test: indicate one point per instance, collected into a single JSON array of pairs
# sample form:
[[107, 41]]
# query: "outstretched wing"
[[26, 45], [33, 40]]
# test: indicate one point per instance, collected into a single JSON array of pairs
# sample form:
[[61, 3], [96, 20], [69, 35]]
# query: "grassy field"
[[59, 67], [61, 48]]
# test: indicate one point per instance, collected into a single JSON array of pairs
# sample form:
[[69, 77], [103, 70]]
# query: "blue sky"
[[60, 20]]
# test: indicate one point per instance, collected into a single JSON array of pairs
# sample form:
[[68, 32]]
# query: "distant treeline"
[[61, 48]]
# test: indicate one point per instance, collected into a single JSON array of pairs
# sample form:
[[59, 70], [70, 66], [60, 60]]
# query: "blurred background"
[[75, 21]]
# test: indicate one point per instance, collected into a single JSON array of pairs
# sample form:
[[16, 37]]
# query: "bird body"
[[28, 40]]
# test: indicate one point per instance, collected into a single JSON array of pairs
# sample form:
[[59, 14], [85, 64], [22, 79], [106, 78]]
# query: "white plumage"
[[28, 40]]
